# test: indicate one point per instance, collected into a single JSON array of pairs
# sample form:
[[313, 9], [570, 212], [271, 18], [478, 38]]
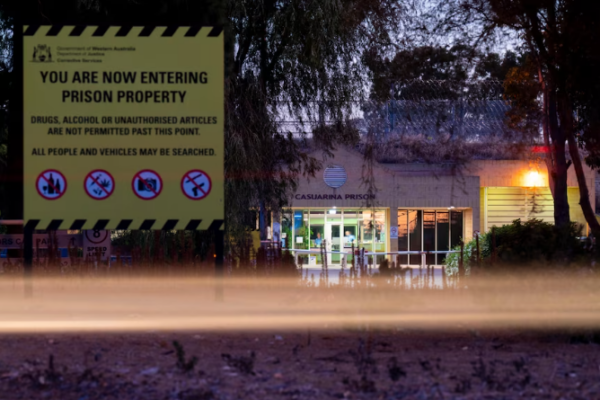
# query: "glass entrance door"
[[333, 237]]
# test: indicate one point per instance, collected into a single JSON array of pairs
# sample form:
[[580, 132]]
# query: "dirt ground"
[[300, 365]]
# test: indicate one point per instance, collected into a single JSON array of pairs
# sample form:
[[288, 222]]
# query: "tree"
[[442, 93], [5, 90], [293, 60], [559, 37]]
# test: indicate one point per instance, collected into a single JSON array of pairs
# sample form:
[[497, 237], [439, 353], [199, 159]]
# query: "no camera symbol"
[[147, 184]]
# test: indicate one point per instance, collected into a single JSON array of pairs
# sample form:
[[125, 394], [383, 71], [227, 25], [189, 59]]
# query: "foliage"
[[288, 236], [5, 91], [469, 255], [518, 244], [292, 60], [172, 246], [243, 364], [522, 90], [183, 364], [531, 241], [306, 233], [288, 264], [442, 105], [456, 65], [560, 40]]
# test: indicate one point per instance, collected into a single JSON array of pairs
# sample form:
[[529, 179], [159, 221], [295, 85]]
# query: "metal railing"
[[363, 253]]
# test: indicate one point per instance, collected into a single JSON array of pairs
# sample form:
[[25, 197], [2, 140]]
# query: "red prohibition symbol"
[[196, 184], [147, 184], [51, 184], [99, 184]]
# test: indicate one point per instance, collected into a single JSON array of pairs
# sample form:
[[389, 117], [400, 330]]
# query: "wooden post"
[[493, 245], [443, 277], [219, 261], [477, 243], [461, 265], [28, 260]]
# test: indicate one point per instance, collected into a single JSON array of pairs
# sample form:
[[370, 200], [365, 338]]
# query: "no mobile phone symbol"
[[147, 184], [51, 184], [99, 184], [196, 184]]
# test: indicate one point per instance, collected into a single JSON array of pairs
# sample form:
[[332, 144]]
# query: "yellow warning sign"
[[123, 127]]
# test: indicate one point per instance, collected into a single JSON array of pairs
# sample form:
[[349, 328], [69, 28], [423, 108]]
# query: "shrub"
[[521, 243], [469, 255], [534, 241]]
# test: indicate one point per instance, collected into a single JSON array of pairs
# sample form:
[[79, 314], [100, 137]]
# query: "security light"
[[534, 179]]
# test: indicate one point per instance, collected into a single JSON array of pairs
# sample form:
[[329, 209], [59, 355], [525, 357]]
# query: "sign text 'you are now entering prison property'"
[[123, 127]]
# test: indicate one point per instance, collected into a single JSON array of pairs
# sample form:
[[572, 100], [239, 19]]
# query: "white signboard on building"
[[393, 232]]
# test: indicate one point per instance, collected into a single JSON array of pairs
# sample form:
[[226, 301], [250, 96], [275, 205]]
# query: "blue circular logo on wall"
[[335, 176]]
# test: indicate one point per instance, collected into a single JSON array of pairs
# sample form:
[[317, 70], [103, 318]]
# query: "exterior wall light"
[[534, 179]]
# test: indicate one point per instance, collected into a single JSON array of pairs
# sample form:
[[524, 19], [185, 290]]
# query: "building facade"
[[414, 207]]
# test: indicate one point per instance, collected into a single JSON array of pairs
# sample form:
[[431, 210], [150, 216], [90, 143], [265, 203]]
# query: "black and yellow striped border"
[[123, 31], [124, 224]]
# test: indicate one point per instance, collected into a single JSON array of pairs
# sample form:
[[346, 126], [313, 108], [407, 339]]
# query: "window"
[[429, 235], [339, 229], [286, 230], [415, 224], [403, 235], [428, 230], [443, 235], [301, 231], [456, 228]]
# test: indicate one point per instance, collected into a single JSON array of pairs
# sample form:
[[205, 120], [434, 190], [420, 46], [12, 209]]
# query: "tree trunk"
[[584, 194], [562, 219], [263, 86], [262, 221]]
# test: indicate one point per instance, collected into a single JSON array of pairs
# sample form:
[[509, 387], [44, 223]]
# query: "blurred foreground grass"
[[68, 304]]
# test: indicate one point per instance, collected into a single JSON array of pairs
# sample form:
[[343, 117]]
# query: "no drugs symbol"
[[99, 184]]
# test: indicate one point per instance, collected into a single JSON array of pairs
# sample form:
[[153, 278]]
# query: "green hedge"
[[521, 243]]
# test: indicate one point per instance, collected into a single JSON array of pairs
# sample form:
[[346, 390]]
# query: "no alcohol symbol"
[[196, 184], [51, 184], [99, 184]]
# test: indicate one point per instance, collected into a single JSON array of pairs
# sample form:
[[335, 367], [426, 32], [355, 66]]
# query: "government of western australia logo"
[[42, 53]]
